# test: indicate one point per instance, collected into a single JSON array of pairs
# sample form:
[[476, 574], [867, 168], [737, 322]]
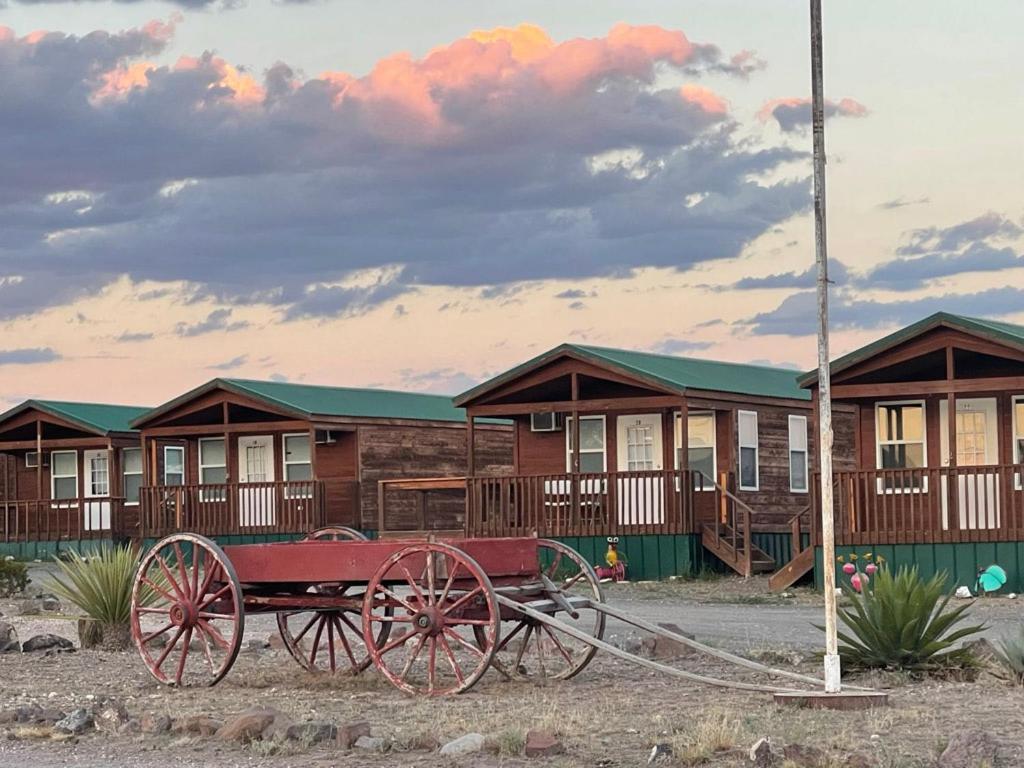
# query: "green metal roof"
[[674, 373], [309, 401], [101, 418], [1003, 333]]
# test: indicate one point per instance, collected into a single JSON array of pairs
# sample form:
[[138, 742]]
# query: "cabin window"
[[298, 464], [174, 465], [131, 471], [798, 465], [900, 437], [97, 473], [64, 475], [592, 444], [748, 450], [213, 467], [1018, 435], [701, 453]]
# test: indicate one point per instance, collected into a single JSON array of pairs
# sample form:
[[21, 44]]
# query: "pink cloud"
[[794, 112]]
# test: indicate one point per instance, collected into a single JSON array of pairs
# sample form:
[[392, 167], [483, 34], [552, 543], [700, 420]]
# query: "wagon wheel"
[[187, 615], [440, 597], [328, 640], [335, 533], [532, 650]]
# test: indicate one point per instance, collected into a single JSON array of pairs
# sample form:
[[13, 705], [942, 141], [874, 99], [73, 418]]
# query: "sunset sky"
[[420, 195]]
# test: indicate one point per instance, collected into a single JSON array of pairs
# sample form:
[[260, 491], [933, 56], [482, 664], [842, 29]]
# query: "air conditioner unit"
[[32, 460], [545, 422], [325, 437]]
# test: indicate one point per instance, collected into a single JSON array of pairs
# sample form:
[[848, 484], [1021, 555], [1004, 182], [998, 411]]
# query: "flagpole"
[[832, 670]]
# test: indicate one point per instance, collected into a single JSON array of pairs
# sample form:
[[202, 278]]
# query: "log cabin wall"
[[388, 452]]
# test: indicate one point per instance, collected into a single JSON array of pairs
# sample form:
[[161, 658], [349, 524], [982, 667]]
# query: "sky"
[[421, 195]]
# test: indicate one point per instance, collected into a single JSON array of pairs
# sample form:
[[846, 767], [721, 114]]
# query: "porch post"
[[575, 495], [951, 407], [39, 459], [470, 443]]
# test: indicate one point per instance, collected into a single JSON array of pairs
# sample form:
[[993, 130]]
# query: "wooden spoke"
[[148, 638], [463, 600], [342, 651], [335, 533]]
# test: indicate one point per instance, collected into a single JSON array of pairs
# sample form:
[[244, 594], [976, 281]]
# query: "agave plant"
[[100, 584], [903, 623], [1010, 653]]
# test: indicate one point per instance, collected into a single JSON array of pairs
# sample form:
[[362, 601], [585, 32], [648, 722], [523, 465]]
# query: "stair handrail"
[[747, 512]]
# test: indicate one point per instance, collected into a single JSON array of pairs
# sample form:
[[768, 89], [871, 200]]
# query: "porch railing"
[[944, 504], [223, 509], [62, 519]]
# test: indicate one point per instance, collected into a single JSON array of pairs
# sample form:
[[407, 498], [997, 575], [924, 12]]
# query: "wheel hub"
[[183, 614], [429, 621]]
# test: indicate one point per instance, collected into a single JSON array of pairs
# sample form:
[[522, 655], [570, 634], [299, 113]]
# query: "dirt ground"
[[609, 716]]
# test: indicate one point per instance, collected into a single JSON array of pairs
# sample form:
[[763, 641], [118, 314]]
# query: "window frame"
[[678, 434], [806, 451], [604, 442], [739, 451], [294, 493], [1018, 435], [881, 489], [125, 473], [54, 477], [180, 449], [211, 496]]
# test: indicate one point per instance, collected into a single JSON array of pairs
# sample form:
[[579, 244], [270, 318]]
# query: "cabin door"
[[976, 497], [96, 513], [640, 496], [256, 493]]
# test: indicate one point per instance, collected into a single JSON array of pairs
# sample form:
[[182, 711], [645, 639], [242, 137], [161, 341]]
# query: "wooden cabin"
[[71, 473], [732, 483], [929, 488], [259, 459]]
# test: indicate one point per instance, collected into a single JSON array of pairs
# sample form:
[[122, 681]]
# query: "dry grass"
[[715, 732], [508, 743]]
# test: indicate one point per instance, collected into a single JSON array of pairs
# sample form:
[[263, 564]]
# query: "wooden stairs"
[[802, 560], [732, 548]]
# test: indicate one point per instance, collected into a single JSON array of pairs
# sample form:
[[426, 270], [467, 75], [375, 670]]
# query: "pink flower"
[[855, 582], [849, 568], [871, 569]]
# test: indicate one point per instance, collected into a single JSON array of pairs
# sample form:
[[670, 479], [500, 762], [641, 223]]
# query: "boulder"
[[30, 608], [665, 648], [370, 743], [311, 733], [76, 723], [970, 749], [49, 603], [249, 725], [200, 725], [464, 745], [155, 724], [45, 643], [110, 716], [348, 734], [8, 638], [542, 744]]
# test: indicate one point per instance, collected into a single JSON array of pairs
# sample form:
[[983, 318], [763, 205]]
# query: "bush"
[[1010, 653], [13, 577], [901, 622], [100, 584]]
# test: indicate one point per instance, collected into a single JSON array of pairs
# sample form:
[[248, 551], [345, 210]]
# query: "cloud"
[[837, 273], [572, 293], [217, 320], [673, 346], [440, 381], [230, 365], [500, 158], [28, 356], [129, 337], [902, 202], [794, 114]]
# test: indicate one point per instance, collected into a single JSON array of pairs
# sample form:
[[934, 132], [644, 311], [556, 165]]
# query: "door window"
[[99, 475], [639, 447], [971, 438], [174, 465]]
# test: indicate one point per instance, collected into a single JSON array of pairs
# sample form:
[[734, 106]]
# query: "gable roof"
[[674, 373], [100, 418], [1003, 333], [308, 401]]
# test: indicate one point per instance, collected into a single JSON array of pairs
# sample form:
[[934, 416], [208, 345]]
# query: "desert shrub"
[[13, 577], [902, 622], [100, 585], [1010, 654]]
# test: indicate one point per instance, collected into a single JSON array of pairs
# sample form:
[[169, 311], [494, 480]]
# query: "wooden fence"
[[61, 519]]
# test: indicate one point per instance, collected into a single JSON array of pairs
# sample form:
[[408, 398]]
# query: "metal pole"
[[832, 671]]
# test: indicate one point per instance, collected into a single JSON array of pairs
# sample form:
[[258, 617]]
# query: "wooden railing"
[[599, 504], [62, 519], [732, 524], [960, 504], [221, 509]]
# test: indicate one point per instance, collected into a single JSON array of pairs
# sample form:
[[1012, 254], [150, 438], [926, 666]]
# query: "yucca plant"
[[902, 623], [1010, 654], [100, 584]]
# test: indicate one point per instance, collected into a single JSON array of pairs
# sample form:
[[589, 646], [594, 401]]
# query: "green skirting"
[[648, 558], [961, 562]]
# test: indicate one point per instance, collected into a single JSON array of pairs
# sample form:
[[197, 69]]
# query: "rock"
[[201, 725], [464, 745], [155, 724], [370, 743], [30, 608], [257, 645], [46, 642], [8, 638], [665, 648], [659, 753], [249, 725], [110, 716], [312, 733], [963, 593], [50, 604], [58, 650], [8, 716], [423, 742], [77, 722], [970, 749], [542, 744], [762, 755], [275, 643], [350, 733]]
